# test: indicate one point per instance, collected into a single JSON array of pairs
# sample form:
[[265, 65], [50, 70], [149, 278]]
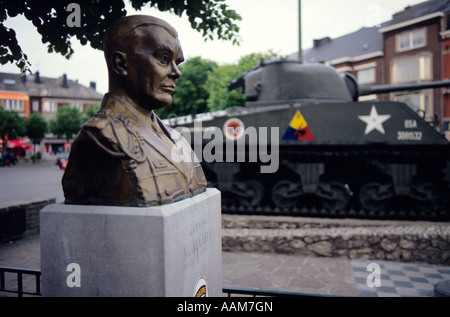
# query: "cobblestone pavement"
[[285, 273]]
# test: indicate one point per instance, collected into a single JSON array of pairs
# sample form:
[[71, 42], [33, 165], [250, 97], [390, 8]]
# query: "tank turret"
[[290, 80]]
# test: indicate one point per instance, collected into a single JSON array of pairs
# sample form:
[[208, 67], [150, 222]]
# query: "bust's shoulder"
[[101, 125], [112, 131], [96, 123]]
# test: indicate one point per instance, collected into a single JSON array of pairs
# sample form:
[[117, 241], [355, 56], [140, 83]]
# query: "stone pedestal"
[[168, 250]]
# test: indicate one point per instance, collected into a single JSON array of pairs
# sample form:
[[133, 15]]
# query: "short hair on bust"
[[115, 41]]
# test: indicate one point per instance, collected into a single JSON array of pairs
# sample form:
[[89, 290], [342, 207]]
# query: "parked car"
[[61, 158], [9, 159], [63, 165]]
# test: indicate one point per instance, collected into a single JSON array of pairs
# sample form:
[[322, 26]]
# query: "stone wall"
[[404, 241], [20, 219]]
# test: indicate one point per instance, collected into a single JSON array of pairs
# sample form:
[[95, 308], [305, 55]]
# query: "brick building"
[[412, 47], [445, 35], [33, 93], [413, 53]]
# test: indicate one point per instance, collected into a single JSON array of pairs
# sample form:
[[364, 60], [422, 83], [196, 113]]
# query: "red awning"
[[19, 144]]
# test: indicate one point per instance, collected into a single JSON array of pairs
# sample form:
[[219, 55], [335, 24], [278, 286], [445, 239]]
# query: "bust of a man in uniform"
[[125, 155]]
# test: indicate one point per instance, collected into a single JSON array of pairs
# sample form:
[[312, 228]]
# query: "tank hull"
[[348, 159]]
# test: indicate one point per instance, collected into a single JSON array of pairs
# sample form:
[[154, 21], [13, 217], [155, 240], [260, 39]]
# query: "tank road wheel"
[[375, 196], [426, 197], [253, 193], [285, 194], [334, 195]]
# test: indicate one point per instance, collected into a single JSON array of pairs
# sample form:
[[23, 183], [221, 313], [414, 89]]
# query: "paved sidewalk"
[[289, 273], [280, 272]]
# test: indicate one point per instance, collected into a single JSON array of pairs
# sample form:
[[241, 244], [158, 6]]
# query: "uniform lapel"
[[150, 137]]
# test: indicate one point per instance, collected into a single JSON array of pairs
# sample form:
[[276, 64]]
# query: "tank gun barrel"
[[369, 90], [240, 82]]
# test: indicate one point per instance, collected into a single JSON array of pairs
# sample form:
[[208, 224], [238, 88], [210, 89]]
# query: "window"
[[50, 106], [411, 40], [366, 76], [411, 69], [35, 105], [9, 81], [13, 104], [53, 107], [420, 103]]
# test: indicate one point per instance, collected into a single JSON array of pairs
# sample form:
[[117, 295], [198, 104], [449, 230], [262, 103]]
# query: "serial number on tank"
[[409, 135]]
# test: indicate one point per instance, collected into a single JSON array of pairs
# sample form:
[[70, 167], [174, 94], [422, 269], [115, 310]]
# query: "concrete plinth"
[[167, 250]]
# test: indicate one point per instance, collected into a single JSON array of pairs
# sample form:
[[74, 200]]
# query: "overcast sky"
[[266, 25]]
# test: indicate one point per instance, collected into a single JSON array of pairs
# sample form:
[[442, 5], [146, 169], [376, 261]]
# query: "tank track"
[[339, 155], [231, 207]]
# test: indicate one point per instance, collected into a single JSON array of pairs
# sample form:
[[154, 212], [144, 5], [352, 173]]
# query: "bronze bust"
[[125, 155]]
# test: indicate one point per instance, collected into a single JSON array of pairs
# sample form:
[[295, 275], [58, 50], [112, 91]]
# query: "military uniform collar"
[[129, 108]]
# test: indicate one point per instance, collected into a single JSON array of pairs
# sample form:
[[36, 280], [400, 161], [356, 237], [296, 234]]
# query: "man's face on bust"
[[152, 64]]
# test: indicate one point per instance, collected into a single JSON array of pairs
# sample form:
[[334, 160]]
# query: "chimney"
[[317, 43], [65, 83], [37, 78], [92, 85], [23, 78]]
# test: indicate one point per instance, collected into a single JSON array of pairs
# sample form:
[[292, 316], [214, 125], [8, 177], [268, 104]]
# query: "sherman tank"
[[304, 145]]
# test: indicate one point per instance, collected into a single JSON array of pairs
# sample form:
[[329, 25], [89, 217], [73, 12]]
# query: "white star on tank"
[[374, 121]]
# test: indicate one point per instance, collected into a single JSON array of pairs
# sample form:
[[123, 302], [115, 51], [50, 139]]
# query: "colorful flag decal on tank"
[[298, 129]]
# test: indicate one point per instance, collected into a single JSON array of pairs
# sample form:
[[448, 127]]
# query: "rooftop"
[[362, 42], [37, 86], [420, 10]]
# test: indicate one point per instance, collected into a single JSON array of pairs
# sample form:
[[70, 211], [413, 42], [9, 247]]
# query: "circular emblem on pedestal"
[[201, 289]]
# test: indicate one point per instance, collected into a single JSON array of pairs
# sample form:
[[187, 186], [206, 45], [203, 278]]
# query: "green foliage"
[[67, 122], [90, 112], [36, 127], [212, 18], [11, 124], [203, 86], [190, 95], [219, 96]]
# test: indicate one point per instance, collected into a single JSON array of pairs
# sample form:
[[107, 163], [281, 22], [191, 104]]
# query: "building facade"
[[413, 54], [445, 35], [13, 96], [33, 93], [412, 47], [28, 94]]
